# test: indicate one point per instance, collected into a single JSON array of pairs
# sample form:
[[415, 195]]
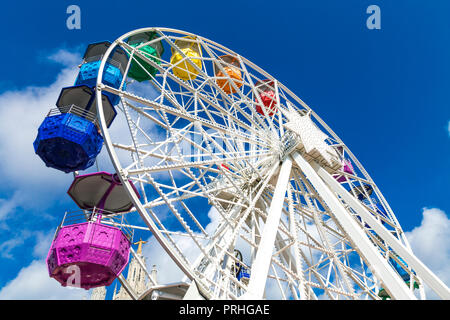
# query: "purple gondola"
[[89, 251]]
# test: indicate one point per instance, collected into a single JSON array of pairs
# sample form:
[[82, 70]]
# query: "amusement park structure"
[[204, 132]]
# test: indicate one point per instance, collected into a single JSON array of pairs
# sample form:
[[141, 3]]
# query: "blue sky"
[[392, 82]]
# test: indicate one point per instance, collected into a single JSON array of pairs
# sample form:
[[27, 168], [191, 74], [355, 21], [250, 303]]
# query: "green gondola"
[[141, 70], [384, 295]]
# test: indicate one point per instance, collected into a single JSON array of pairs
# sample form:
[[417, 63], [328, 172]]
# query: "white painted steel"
[[127, 287], [294, 243], [394, 284], [422, 271], [263, 259]]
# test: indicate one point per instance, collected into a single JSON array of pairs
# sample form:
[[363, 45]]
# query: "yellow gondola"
[[186, 69]]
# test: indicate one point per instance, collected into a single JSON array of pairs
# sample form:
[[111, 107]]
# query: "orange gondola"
[[231, 67]]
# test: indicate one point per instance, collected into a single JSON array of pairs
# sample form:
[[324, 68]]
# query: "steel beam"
[[261, 264], [421, 270], [378, 265], [127, 287]]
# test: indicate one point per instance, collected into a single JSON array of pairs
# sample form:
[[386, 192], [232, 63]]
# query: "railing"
[[111, 61], [76, 110], [289, 141], [97, 215], [221, 183]]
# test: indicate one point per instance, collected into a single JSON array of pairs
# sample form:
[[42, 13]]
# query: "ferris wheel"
[[206, 132]]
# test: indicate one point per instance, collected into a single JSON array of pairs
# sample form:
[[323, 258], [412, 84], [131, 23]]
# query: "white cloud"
[[34, 283], [43, 243], [65, 58], [7, 246], [168, 271], [8, 205], [430, 242], [30, 184], [42, 239], [21, 113], [448, 128]]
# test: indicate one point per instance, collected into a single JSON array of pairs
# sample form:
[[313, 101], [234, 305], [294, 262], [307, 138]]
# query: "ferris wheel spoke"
[[205, 99], [252, 86], [177, 214], [180, 113], [328, 249], [140, 111], [294, 232], [227, 232], [185, 207], [287, 259], [196, 164], [207, 137], [135, 156], [323, 234], [262, 259]]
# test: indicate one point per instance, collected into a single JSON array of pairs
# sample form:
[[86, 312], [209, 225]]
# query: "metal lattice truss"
[[192, 149]]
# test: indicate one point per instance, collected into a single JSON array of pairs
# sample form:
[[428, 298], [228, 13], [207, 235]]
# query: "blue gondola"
[[113, 71], [69, 138], [243, 274], [68, 141]]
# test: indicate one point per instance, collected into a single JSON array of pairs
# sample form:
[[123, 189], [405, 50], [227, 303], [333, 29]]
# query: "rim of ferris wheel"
[[266, 91], [301, 270], [68, 142], [83, 97], [87, 254], [102, 190], [141, 70], [231, 69], [186, 58]]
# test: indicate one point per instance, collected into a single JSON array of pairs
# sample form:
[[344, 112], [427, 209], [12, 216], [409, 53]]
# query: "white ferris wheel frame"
[[328, 188]]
